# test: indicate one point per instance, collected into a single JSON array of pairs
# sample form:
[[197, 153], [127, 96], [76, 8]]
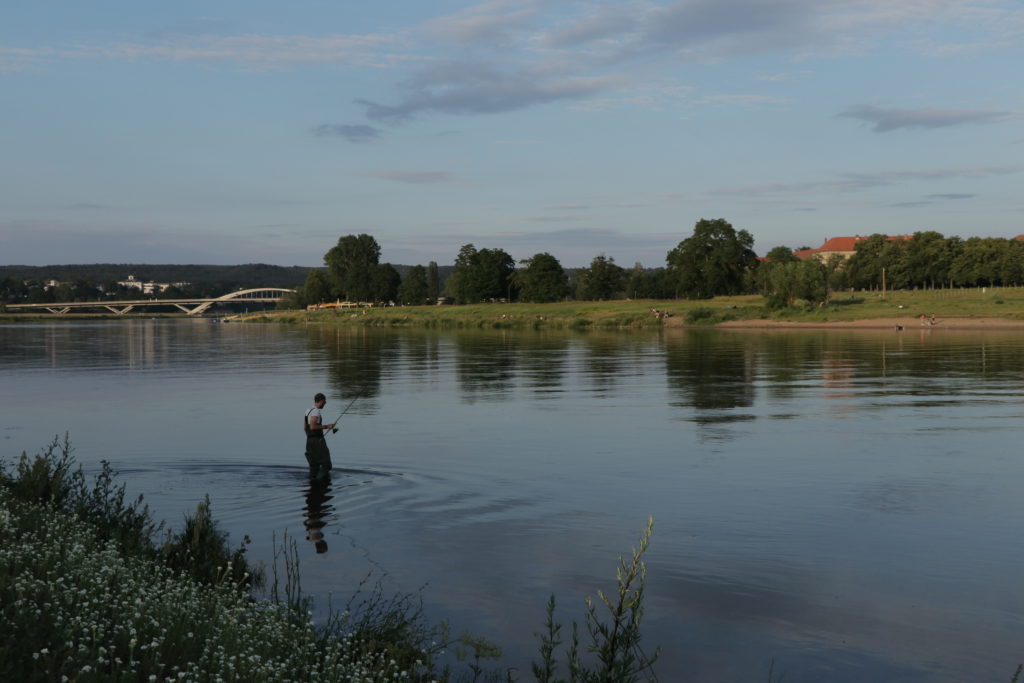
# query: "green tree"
[[713, 261], [925, 260], [413, 290], [352, 265], [647, 283], [835, 270], [386, 282], [602, 280], [977, 265], [790, 281], [1011, 264], [874, 256], [479, 275], [433, 281], [316, 289], [542, 279], [781, 255]]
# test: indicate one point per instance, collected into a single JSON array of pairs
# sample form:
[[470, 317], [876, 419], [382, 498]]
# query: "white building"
[[150, 287]]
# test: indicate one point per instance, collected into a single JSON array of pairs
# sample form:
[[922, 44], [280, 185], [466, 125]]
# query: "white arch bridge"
[[189, 306]]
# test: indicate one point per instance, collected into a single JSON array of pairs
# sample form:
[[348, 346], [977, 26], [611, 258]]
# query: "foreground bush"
[[83, 610], [88, 594]]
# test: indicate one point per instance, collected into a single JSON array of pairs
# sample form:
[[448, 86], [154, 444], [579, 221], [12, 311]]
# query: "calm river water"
[[847, 504]]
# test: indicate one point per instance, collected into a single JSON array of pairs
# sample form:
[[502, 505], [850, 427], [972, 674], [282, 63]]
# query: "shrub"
[[615, 645], [701, 315]]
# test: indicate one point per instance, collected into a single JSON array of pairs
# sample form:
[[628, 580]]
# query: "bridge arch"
[[257, 294]]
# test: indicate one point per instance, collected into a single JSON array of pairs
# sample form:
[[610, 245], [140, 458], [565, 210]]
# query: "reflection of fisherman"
[[316, 510], [317, 454]]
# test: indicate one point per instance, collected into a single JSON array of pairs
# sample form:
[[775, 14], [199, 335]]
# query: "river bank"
[[982, 308], [896, 323], [985, 308]]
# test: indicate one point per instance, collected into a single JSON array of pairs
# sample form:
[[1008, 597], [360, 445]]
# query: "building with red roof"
[[843, 246]]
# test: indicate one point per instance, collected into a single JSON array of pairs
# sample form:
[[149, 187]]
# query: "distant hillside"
[[250, 275]]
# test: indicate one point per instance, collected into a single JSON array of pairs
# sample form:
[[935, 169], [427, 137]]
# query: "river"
[[831, 505]]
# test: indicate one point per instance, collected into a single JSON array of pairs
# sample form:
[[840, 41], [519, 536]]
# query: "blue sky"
[[240, 132]]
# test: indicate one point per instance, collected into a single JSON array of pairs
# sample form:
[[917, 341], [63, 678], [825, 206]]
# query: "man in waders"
[[317, 454]]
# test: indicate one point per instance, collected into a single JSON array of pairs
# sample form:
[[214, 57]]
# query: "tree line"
[[716, 259]]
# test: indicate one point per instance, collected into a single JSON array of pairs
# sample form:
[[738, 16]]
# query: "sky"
[[261, 132]]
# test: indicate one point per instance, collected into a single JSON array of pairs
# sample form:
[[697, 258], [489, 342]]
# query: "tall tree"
[[713, 261], [977, 265], [386, 282], [479, 275], [875, 256], [601, 280], [924, 261], [433, 281], [542, 279], [316, 289], [413, 290], [645, 283], [352, 265]]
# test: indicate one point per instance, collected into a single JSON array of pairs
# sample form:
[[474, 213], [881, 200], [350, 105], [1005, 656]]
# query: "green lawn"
[[1003, 302]]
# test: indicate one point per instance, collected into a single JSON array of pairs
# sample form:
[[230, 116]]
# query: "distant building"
[[843, 246], [150, 287]]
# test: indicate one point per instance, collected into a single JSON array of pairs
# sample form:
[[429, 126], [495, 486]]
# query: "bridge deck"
[[198, 305]]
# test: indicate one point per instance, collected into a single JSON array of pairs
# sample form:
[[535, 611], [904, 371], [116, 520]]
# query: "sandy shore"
[[906, 322]]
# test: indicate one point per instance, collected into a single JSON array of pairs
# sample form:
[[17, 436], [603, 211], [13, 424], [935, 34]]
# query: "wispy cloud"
[[352, 133], [951, 195], [413, 177], [488, 22], [857, 182], [886, 120], [474, 87]]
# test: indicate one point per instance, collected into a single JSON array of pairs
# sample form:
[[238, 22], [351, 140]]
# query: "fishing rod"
[[350, 404]]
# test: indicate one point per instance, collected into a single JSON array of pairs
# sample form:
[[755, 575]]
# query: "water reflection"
[[354, 361], [316, 513], [542, 364], [486, 366], [713, 375]]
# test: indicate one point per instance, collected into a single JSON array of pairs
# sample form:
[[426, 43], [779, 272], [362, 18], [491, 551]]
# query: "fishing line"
[[350, 404]]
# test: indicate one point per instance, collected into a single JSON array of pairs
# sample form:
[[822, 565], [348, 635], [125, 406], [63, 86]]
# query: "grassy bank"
[[1004, 302], [992, 302], [96, 592]]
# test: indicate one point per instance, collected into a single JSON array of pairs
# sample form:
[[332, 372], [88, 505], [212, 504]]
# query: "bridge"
[[189, 306]]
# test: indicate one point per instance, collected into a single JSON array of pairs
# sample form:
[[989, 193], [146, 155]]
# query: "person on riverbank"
[[317, 454]]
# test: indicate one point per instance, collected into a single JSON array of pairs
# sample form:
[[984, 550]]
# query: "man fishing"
[[317, 454]]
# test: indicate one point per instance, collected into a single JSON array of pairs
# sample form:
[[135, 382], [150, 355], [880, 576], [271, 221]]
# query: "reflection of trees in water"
[[604, 359], [714, 371], [710, 371], [542, 361], [355, 359], [784, 363], [316, 511], [486, 365], [421, 355]]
